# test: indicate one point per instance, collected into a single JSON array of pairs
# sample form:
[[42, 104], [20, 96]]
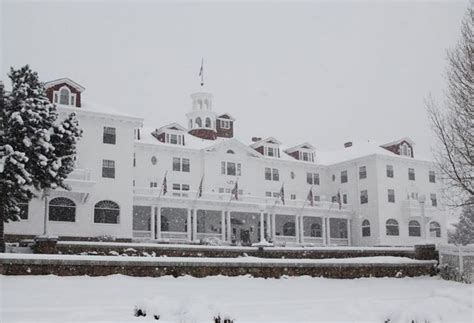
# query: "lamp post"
[[421, 200], [46, 194]]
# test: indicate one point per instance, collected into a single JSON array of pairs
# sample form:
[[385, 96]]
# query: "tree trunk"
[[2, 227]]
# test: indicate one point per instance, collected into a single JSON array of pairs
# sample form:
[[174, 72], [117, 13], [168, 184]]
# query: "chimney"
[[348, 144], [255, 139]]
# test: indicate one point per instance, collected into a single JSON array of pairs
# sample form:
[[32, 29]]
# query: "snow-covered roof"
[[263, 141], [173, 126], [357, 150], [66, 80], [305, 145], [407, 139], [100, 110], [229, 117]]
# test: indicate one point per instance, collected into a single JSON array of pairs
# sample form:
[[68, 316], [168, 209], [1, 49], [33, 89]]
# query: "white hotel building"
[[362, 195]]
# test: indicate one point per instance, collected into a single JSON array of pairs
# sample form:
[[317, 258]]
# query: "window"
[[23, 210], [180, 190], [333, 177], [64, 96], [225, 124], [362, 172], [366, 228], [414, 229], [134, 160], [390, 171], [405, 150], [268, 194], [334, 198], [109, 135], [272, 174], [272, 151], [62, 209], [293, 196], [198, 122], [231, 168], [434, 201], [391, 196], [289, 229], [411, 174], [344, 176], [317, 198], [153, 184], [106, 212], [108, 168], [344, 198], [435, 230], [141, 218], [174, 139], [154, 160], [312, 178], [181, 164], [391, 227], [364, 197], [230, 151], [432, 176], [306, 156]]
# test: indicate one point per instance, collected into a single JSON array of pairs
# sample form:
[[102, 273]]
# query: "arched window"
[[198, 122], [64, 96], [391, 227], [230, 151], [414, 229], [289, 229], [366, 228], [316, 230], [208, 122], [106, 212], [62, 209], [154, 160], [435, 230]]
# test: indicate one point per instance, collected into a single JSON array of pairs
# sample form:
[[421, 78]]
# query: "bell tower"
[[202, 119]]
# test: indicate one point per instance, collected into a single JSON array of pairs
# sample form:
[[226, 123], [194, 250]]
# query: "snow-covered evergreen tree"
[[37, 152], [464, 233]]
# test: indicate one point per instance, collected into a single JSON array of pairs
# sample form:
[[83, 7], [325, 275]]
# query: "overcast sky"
[[323, 72]]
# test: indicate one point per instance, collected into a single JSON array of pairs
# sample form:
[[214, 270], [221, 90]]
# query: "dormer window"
[[64, 96], [174, 139], [225, 124], [405, 150], [208, 123], [272, 152], [306, 156], [198, 122]]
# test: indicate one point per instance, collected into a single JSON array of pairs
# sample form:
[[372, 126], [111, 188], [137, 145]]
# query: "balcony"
[[148, 193], [412, 208], [80, 178]]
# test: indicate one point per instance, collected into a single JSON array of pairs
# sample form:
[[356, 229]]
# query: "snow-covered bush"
[[212, 241], [449, 272]]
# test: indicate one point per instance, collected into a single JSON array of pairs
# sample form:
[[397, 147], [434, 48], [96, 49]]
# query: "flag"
[[310, 197], [235, 191], [282, 194], [164, 186], [339, 199], [200, 188], [201, 72]]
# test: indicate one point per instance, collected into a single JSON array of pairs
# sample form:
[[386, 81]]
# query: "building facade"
[[199, 184]]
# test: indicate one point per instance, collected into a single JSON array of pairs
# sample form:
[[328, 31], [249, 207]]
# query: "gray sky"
[[323, 72]]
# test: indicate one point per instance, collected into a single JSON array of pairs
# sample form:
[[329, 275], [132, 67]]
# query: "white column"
[[302, 229], [229, 228], [195, 225], [262, 227], [349, 222], [152, 221], [189, 224], [273, 227], [328, 220], [223, 225], [323, 230], [158, 223], [297, 228]]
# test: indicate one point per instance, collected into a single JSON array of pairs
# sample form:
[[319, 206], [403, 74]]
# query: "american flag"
[[164, 186], [200, 188], [235, 191], [201, 72], [282, 194], [310, 197], [339, 199]]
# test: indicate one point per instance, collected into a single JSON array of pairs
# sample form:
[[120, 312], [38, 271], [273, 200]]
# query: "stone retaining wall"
[[65, 267]]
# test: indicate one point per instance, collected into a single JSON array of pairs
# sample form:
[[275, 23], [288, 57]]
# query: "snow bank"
[[187, 299]]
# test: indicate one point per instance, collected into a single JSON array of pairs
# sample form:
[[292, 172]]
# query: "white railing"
[[458, 258], [413, 208], [226, 197], [313, 240]]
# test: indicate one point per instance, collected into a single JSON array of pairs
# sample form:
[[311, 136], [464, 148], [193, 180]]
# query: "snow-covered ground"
[[187, 299]]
